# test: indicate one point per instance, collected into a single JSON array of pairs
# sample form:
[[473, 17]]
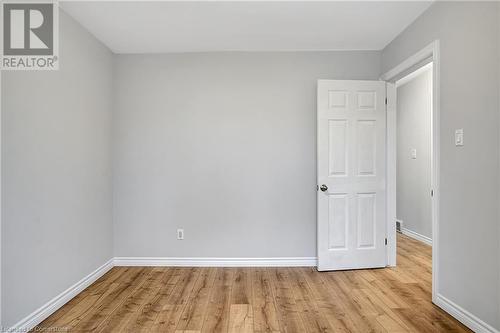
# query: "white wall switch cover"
[[459, 137], [414, 153], [180, 234]]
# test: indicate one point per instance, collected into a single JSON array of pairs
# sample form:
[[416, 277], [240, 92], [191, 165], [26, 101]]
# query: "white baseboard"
[[416, 236], [35, 318], [465, 317], [216, 262], [39, 315]]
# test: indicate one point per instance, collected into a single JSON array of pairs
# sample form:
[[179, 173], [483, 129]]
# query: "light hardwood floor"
[[161, 299]]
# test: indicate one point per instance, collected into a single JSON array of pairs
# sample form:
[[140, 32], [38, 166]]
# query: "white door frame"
[[429, 53], [1, 226]]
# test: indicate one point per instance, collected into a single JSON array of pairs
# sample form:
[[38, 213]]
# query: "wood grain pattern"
[[264, 306], [163, 299]]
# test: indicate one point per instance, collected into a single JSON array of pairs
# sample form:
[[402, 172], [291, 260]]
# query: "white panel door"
[[351, 174]]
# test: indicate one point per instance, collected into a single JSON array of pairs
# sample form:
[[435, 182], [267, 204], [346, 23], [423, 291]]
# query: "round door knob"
[[323, 188]]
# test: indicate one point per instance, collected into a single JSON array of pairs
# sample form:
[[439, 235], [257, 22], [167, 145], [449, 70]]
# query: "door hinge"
[[386, 101], [386, 241], [432, 193]]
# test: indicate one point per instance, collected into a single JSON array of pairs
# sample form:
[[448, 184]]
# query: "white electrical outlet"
[[414, 153], [180, 234]]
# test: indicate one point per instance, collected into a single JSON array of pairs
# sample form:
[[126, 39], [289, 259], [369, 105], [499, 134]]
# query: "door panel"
[[338, 149], [351, 165], [367, 147], [337, 221], [366, 220]]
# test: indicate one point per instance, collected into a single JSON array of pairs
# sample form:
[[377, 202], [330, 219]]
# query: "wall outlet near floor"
[[180, 234]]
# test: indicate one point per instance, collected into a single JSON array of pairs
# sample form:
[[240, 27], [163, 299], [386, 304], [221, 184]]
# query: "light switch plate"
[[459, 137], [414, 153], [180, 234]]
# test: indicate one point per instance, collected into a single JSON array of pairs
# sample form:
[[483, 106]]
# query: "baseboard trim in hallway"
[[216, 262], [43, 312], [416, 236]]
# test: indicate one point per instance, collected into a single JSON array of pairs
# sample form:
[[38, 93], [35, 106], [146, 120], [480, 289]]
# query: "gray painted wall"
[[414, 111], [197, 138], [224, 146], [498, 54], [56, 183], [469, 252]]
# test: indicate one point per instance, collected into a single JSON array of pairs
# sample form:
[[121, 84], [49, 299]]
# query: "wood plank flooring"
[[179, 299]]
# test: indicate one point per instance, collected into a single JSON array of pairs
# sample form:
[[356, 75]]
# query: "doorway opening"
[[413, 171], [413, 156]]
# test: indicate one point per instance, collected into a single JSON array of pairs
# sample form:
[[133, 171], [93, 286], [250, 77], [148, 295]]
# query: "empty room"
[[250, 166]]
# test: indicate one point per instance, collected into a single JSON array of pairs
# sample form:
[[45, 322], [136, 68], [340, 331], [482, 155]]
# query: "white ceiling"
[[187, 26]]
